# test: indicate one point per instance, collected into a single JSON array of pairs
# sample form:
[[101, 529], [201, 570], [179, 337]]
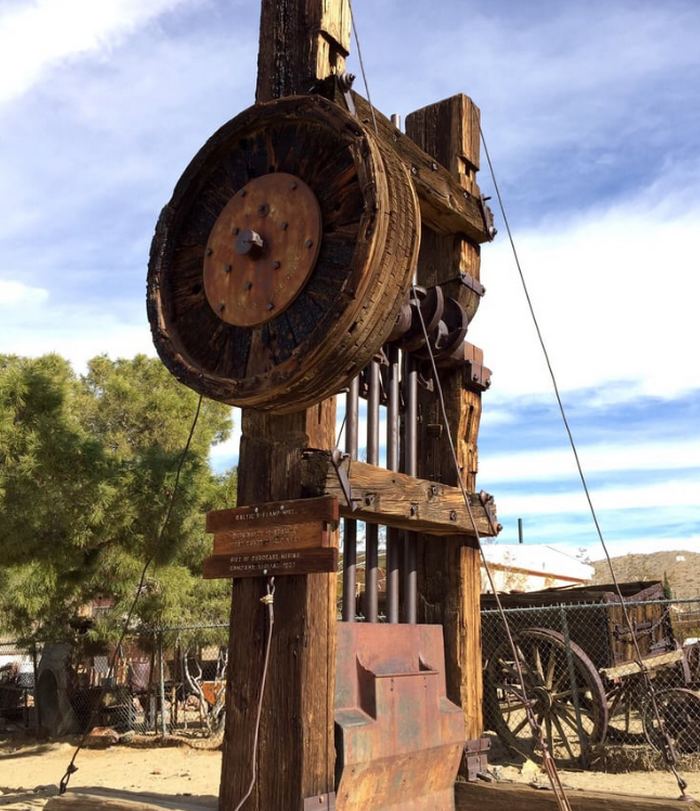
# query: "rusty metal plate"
[[262, 249], [399, 740]]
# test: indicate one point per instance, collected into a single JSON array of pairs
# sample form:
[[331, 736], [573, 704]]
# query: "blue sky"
[[591, 113]]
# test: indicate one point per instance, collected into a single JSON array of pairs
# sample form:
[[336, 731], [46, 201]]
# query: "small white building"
[[531, 567]]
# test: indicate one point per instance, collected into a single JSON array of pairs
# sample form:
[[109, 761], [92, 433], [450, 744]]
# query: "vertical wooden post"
[[449, 571], [301, 42]]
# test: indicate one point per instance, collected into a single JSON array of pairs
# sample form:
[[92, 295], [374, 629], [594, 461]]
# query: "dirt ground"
[[30, 773]]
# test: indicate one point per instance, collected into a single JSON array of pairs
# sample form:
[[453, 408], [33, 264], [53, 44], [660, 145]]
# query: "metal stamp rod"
[[372, 540], [392, 462], [411, 467], [350, 527]]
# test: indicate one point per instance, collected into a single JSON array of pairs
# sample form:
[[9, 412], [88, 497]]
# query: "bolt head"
[[294, 185], [228, 268], [309, 243], [222, 306], [243, 192], [275, 265], [284, 226], [210, 251], [270, 306]]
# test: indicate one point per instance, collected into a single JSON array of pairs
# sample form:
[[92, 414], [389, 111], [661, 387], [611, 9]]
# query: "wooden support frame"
[[485, 797], [296, 754], [382, 496], [449, 573], [447, 207]]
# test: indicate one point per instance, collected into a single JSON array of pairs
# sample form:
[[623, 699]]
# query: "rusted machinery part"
[[445, 320], [272, 297], [544, 657], [679, 709]]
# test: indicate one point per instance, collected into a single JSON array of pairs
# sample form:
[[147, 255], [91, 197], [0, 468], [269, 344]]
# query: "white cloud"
[[78, 333], [537, 465], [36, 35], [615, 291], [14, 294], [678, 493]]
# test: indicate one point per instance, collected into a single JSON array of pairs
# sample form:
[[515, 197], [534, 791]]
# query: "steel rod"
[[372, 532], [392, 462], [352, 401], [410, 602]]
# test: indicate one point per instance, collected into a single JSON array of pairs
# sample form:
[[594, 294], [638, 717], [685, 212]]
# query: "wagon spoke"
[[565, 739]]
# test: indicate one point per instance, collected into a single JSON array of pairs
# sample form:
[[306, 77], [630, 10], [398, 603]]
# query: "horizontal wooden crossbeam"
[[446, 207], [396, 500], [505, 797]]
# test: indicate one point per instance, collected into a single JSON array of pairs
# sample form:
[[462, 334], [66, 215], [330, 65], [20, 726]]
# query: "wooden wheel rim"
[[366, 258], [594, 710]]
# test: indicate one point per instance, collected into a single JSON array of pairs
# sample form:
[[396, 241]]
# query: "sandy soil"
[[29, 774], [171, 770]]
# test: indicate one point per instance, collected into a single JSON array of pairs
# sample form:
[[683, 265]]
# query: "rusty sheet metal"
[[399, 740], [262, 249]]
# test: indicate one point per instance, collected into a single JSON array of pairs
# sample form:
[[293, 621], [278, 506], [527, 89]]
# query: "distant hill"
[[681, 568]]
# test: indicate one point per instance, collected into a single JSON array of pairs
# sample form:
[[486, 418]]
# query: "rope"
[[547, 759], [669, 752], [72, 768], [269, 601], [362, 67]]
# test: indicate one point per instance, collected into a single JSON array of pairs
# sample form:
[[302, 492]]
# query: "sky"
[[591, 114]]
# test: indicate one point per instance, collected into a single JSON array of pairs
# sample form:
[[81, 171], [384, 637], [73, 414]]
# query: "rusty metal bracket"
[[477, 377], [345, 83], [487, 502], [476, 758], [341, 462], [321, 802], [471, 283], [487, 214]]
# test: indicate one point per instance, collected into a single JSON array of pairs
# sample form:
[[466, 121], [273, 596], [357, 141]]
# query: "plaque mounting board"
[[276, 538]]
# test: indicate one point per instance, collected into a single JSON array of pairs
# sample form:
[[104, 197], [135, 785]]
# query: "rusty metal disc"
[[262, 249]]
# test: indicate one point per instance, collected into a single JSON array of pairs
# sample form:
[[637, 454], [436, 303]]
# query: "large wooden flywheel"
[[281, 262]]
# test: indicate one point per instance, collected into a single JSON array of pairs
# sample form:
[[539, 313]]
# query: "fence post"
[[37, 704], [574, 686], [163, 723]]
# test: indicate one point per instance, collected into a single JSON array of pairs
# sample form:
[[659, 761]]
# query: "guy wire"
[[362, 66], [547, 759], [72, 768], [669, 753]]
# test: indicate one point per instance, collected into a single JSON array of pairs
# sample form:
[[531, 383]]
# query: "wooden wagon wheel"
[[679, 709], [572, 717], [280, 264], [625, 701]]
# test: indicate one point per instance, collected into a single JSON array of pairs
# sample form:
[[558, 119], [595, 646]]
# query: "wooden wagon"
[[584, 683]]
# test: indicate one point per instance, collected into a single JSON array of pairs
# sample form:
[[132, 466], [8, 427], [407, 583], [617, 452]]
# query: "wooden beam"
[[301, 43], [447, 207], [397, 500], [509, 796], [105, 799], [296, 755], [449, 574]]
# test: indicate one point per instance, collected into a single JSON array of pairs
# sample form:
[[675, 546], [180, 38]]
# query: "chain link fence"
[[165, 681], [584, 686], [18, 667]]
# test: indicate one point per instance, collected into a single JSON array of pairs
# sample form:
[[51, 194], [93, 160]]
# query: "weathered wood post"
[[301, 41], [449, 571]]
